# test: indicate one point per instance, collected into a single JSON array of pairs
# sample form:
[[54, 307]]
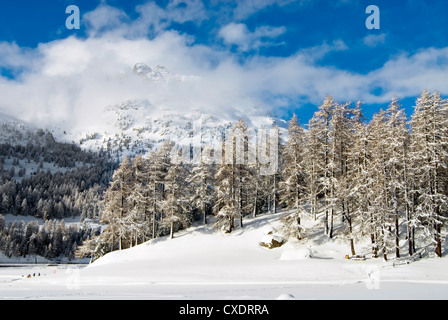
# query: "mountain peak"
[[156, 74], [141, 69]]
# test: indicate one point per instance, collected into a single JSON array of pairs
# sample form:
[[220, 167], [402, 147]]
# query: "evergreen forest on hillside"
[[384, 180], [48, 181]]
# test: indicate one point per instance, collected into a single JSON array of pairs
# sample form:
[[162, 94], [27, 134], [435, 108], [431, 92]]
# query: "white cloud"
[[246, 8], [406, 75], [318, 52], [238, 34], [15, 58], [152, 18], [104, 18], [74, 79], [373, 40]]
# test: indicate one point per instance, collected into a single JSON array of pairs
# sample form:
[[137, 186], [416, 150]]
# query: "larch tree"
[[429, 156], [357, 180], [176, 203], [396, 145], [341, 141], [378, 214], [116, 206], [232, 178], [201, 181], [292, 186], [140, 197], [318, 158], [314, 165], [159, 161]]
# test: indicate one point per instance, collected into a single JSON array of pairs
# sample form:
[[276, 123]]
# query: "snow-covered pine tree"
[[429, 156], [201, 181], [314, 164], [318, 157], [140, 198], [341, 142], [116, 206], [388, 140], [233, 178], [270, 158], [175, 205], [225, 207], [356, 180], [379, 219], [396, 144], [292, 186], [159, 162]]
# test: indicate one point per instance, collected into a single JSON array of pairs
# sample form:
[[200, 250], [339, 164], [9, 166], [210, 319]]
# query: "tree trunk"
[[374, 245], [352, 246], [330, 227], [254, 212], [438, 249]]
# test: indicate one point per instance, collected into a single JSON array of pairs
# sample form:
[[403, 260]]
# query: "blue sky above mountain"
[[284, 56]]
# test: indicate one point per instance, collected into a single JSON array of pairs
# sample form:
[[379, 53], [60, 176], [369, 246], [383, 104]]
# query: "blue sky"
[[281, 56]]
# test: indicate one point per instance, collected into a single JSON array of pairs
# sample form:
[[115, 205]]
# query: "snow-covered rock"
[[272, 241]]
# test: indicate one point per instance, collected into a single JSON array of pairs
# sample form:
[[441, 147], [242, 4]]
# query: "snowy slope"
[[202, 263], [15, 131]]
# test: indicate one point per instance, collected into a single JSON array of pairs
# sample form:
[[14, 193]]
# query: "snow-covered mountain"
[[14, 131], [159, 74], [162, 106], [137, 125]]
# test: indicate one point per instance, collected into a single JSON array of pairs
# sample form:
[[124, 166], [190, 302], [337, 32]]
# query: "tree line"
[[73, 188], [384, 180], [51, 240]]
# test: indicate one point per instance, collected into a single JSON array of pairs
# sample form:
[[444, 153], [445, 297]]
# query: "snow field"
[[203, 263]]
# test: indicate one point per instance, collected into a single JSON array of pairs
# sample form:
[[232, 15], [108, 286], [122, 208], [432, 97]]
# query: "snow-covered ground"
[[203, 263]]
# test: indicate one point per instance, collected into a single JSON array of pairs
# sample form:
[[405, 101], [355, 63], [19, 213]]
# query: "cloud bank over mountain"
[[73, 79]]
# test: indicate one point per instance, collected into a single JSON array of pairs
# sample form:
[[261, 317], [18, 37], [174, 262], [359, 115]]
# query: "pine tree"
[[380, 216], [396, 144], [292, 187], [340, 143], [140, 199], [357, 180], [225, 207], [176, 205], [232, 178], [158, 168], [318, 157], [429, 154], [116, 206], [314, 165], [201, 183]]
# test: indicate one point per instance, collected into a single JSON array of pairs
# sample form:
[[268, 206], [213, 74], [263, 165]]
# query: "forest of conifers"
[[384, 180], [72, 189]]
